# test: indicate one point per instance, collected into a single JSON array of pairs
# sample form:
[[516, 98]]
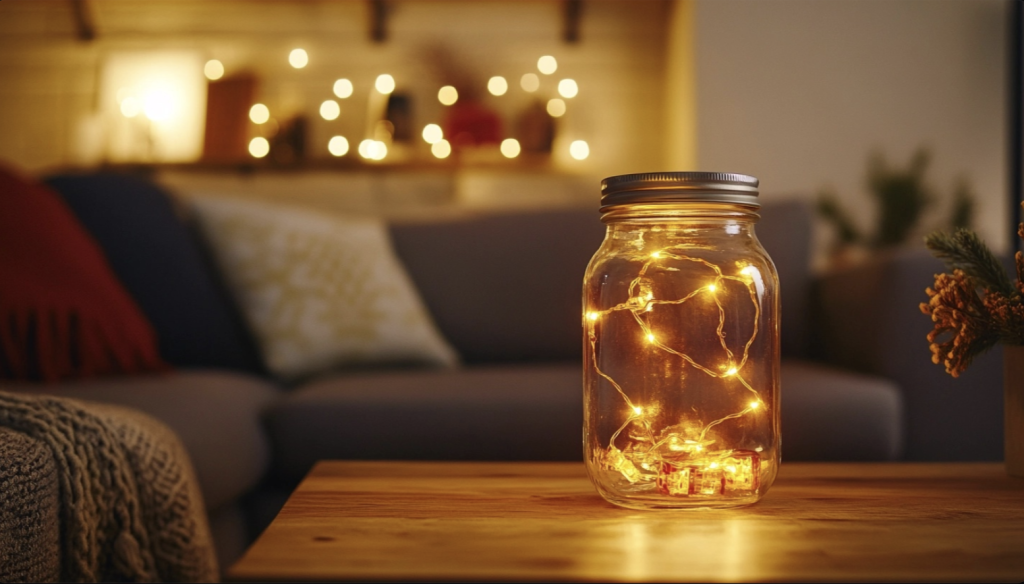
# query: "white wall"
[[798, 92]]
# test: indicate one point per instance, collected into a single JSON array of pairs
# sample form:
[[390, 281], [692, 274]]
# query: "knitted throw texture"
[[130, 507]]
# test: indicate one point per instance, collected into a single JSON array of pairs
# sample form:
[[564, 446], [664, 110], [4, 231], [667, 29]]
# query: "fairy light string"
[[689, 468]]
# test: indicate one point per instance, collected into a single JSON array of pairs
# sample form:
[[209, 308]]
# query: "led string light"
[[690, 468]]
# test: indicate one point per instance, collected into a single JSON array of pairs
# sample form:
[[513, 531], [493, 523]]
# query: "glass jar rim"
[[679, 187]]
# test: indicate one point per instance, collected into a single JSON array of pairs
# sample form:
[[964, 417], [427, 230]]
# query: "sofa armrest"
[[867, 319], [29, 510]]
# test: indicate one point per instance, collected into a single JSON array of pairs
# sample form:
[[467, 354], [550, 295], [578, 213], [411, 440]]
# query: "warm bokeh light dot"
[[556, 108], [343, 88], [530, 82], [298, 58], [259, 113], [579, 149], [447, 95], [338, 146], [213, 69], [510, 148], [547, 65], [441, 149], [567, 88], [259, 147], [373, 149], [330, 110], [385, 83], [497, 85], [432, 133]]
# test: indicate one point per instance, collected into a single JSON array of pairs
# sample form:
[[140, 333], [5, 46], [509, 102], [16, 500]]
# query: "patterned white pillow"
[[319, 291]]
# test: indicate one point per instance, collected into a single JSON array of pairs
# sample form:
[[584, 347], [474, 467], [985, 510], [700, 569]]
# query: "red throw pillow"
[[63, 313]]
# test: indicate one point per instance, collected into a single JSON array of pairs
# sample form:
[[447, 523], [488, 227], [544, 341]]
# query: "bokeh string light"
[[677, 462]]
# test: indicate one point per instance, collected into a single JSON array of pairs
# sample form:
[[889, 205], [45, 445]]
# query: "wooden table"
[[544, 521]]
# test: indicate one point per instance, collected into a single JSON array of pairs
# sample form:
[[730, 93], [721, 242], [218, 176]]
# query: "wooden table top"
[[544, 521]]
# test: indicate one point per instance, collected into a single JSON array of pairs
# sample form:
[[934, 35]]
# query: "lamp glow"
[[158, 105], [130, 107]]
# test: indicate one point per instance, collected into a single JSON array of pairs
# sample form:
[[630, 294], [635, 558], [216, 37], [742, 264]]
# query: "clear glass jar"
[[681, 345]]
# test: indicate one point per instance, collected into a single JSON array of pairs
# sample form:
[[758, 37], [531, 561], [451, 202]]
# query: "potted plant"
[[975, 307]]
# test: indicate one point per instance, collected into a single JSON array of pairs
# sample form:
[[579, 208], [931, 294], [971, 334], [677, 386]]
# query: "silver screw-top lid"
[[679, 187]]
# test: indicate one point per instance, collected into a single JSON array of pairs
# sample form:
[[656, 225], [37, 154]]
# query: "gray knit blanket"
[[128, 503]]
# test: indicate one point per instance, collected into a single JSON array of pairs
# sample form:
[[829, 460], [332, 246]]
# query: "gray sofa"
[[518, 395]]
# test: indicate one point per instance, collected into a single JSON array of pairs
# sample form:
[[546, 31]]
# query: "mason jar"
[[681, 344]]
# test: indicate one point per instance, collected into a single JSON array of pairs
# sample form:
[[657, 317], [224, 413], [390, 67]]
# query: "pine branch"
[[964, 250]]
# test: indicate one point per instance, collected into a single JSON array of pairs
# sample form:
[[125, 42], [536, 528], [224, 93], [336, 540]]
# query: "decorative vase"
[[1013, 405]]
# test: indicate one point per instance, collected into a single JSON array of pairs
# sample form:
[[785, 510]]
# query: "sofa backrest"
[[785, 232], [508, 287], [504, 287]]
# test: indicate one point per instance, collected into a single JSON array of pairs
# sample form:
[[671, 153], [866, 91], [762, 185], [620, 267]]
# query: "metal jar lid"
[[679, 187]]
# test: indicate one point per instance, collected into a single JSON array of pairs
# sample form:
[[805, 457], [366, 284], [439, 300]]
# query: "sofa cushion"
[[159, 260], [831, 414], [63, 312], [216, 415], [319, 291], [535, 412]]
